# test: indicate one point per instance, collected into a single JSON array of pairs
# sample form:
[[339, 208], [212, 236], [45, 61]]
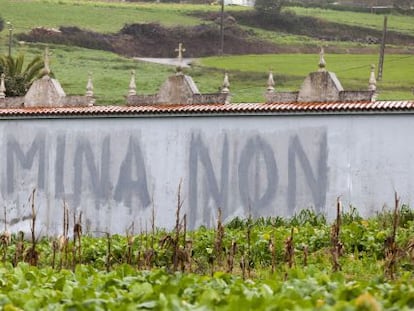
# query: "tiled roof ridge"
[[305, 107]]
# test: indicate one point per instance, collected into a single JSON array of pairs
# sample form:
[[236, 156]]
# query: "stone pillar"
[[372, 84], [270, 84], [2, 87], [132, 85], [2, 91], [89, 91], [226, 88]]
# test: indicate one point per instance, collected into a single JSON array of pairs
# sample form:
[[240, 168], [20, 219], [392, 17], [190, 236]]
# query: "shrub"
[[269, 7], [18, 80]]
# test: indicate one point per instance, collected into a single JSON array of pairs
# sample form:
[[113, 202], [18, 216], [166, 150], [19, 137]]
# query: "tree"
[[1, 23], [403, 6], [18, 80], [269, 7]]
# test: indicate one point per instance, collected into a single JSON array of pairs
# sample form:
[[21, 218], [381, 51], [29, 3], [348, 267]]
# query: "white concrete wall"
[[240, 2], [115, 169]]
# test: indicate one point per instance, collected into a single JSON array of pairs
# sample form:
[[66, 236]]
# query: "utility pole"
[[221, 50], [10, 27], [382, 50]]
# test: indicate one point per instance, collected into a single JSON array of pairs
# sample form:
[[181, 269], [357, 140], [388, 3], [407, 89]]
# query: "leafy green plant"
[[308, 216], [266, 282], [270, 8], [18, 78]]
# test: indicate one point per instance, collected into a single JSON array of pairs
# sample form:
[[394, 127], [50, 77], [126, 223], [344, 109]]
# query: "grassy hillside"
[[399, 23], [107, 17], [103, 17], [248, 74]]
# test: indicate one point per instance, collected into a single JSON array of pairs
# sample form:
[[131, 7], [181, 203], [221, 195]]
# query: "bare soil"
[[154, 40]]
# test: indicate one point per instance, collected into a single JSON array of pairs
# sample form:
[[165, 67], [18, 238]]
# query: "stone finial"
[[46, 61], [270, 83], [372, 86], [2, 87], [89, 86], [322, 63], [132, 85], [180, 51], [89, 90], [226, 84]]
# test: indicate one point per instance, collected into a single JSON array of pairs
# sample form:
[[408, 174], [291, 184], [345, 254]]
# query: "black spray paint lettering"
[[99, 178], [254, 195], [127, 186], [255, 173], [26, 160], [91, 170], [59, 167], [213, 189], [253, 151], [318, 182]]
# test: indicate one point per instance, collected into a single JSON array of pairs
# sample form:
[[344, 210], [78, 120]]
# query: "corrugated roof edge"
[[216, 109]]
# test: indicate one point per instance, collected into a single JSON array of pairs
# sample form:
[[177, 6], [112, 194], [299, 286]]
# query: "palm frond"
[[19, 64], [11, 68], [19, 80], [34, 70]]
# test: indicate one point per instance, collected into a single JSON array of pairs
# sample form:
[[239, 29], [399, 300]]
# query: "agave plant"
[[19, 78]]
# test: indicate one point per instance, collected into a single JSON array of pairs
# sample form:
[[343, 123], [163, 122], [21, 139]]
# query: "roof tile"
[[314, 107]]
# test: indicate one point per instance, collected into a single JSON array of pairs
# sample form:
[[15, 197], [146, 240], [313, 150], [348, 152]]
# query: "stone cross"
[[180, 51]]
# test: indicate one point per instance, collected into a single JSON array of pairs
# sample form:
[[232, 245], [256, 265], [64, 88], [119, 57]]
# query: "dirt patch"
[[69, 36], [202, 40], [309, 26], [154, 40]]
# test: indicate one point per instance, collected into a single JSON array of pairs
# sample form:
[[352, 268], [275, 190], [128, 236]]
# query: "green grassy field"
[[106, 17], [248, 74], [400, 23], [110, 16], [111, 73]]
